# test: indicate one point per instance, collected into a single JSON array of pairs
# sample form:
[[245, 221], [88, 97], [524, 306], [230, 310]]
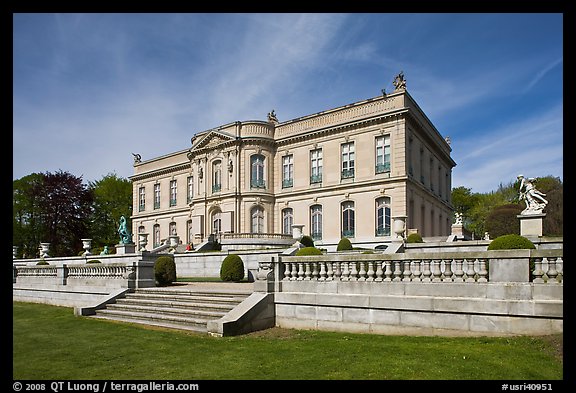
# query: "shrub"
[[510, 242], [307, 241], [165, 270], [93, 261], [232, 268], [414, 238], [308, 251], [42, 262], [344, 244]]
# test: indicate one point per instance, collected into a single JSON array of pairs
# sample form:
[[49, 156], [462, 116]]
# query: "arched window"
[[287, 221], [216, 176], [257, 219], [257, 171], [383, 213], [348, 219], [172, 229], [316, 222]]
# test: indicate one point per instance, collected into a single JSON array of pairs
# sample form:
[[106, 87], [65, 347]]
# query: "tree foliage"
[[59, 209], [495, 212]]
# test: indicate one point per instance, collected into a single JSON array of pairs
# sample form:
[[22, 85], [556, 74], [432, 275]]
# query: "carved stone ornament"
[[399, 82], [265, 271], [534, 199]]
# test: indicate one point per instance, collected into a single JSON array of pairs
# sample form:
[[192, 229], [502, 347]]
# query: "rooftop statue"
[[533, 198], [399, 81], [272, 117], [125, 236], [137, 158]]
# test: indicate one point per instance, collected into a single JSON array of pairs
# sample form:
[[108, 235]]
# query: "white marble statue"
[[533, 198]]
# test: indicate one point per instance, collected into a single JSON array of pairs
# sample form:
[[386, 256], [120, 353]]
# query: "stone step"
[[173, 307]]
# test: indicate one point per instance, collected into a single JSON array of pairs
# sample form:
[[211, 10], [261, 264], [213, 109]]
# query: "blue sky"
[[90, 89]]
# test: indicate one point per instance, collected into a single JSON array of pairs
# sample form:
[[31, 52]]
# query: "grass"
[[49, 342]]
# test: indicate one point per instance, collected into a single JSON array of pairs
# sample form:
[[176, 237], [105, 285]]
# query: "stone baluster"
[[387, 271], [538, 272], [370, 272], [470, 273], [447, 270], [353, 272], [315, 272], [337, 271], [379, 271], [300, 271], [322, 271], [407, 273], [294, 274], [286, 272], [329, 272], [417, 273], [362, 272], [552, 273], [397, 271], [308, 271], [345, 272], [482, 273], [426, 272], [458, 272], [436, 272]]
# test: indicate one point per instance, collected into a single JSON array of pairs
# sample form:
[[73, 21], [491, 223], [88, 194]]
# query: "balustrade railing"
[[544, 267]]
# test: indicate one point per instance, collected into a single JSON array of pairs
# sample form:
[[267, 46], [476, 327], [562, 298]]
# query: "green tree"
[[503, 220], [112, 199], [27, 231]]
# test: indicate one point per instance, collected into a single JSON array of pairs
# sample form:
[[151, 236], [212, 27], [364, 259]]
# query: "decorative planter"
[[142, 241], [399, 227], [44, 248], [86, 245]]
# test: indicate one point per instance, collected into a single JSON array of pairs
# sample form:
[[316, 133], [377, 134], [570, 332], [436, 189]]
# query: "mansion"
[[344, 172]]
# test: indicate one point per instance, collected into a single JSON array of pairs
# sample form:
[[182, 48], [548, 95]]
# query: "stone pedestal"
[[531, 224], [122, 249]]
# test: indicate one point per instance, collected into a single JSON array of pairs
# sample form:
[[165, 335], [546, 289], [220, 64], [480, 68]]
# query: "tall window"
[[383, 154], [257, 171], [316, 222], [287, 171], [257, 219], [141, 199], [157, 196], [189, 232], [348, 219], [217, 222], [172, 229], [190, 193], [383, 219], [348, 160], [316, 166], [287, 221], [156, 235], [173, 190], [216, 176]]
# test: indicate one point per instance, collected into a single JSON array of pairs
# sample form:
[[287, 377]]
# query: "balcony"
[[347, 173], [382, 231], [287, 183], [381, 168], [316, 236], [216, 188], [348, 233], [316, 179], [257, 183]]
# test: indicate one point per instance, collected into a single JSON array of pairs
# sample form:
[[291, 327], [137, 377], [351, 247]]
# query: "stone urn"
[[44, 248], [86, 245], [399, 227], [142, 241]]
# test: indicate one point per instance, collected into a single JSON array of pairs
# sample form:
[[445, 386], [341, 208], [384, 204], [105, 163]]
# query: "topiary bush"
[[308, 251], [164, 270], [344, 244], [93, 261], [232, 268], [510, 242], [414, 238], [307, 241]]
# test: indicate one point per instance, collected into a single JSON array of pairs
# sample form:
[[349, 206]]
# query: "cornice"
[[160, 172]]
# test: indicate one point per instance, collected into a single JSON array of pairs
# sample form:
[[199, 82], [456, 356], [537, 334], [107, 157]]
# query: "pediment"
[[212, 140]]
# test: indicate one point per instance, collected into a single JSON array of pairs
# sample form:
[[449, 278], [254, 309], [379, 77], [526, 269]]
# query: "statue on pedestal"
[[533, 198], [125, 236], [399, 82]]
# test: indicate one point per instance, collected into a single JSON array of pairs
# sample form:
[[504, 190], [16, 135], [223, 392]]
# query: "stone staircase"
[[174, 308]]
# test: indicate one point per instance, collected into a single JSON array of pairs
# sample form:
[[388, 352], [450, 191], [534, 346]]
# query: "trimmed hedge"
[[308, 251], [307, 241], [510, 242], [344, 244], [414, 238], [232, 268], [164, 270]]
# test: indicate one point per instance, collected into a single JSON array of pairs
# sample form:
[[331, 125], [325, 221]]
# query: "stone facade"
[[341, 172]]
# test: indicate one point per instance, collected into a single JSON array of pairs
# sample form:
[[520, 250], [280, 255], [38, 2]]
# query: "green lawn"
[[51, 343]]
